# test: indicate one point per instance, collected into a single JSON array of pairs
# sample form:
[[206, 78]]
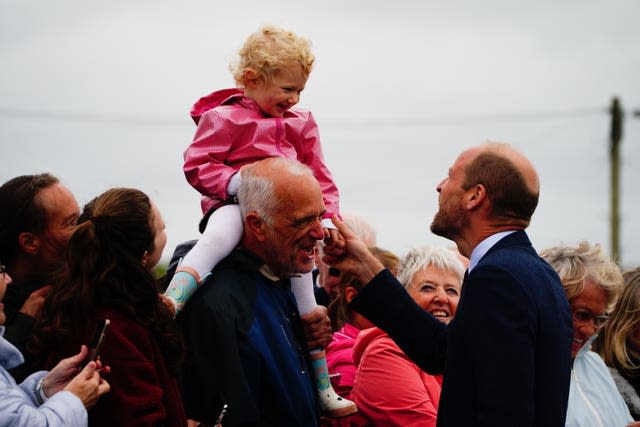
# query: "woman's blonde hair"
[[612, 342], [269, 50], [582, 263]]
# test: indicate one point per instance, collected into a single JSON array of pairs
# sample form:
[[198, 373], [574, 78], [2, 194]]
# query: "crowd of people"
[[285, 312]]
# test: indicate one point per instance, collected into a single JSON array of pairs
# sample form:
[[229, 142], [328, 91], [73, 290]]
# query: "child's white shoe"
[[334, 406]]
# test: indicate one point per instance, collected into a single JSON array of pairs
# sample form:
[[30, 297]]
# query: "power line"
[[471, 119], [124, 119], [141, 120]]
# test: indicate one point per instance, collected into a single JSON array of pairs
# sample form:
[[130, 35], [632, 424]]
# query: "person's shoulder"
[[120, 324], [592, 364], [231, 283], [512, 247], [126, 338], [594, 359], [372, 340], [514, 255], [239, 264], [224, 116]]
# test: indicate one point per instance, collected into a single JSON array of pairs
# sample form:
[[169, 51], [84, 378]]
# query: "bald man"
[[506, 355], [246, 347]]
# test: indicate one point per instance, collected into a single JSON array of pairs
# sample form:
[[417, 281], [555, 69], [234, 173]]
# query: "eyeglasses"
[[584, 316]]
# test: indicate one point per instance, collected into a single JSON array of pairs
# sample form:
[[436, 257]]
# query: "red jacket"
[[389, 389], [233, 131], [143, 392]]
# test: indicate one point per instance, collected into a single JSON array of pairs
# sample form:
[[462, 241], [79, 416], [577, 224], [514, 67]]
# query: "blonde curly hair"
[[269, 50]]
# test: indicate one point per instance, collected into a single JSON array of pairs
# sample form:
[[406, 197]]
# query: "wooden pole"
[[614, 153]]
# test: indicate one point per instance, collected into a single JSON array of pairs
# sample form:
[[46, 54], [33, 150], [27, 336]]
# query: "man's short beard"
[[448, 226]]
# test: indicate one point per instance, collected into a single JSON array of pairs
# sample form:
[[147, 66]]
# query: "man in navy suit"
[[506, 355]]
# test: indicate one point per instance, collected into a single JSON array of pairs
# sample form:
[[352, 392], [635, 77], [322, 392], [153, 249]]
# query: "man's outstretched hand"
[[351, 255]]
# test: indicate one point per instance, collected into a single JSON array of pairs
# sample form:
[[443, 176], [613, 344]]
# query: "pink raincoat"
[[233, 131]]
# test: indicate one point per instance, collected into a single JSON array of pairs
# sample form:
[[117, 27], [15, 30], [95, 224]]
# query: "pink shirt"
[[340, 359], [390, 389]]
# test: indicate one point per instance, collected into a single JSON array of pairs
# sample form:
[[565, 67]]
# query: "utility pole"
[[614, 153]]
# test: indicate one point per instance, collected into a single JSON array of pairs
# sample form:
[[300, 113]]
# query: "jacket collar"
[[10, 356], [586, 346], [484, 247], [244, 255]]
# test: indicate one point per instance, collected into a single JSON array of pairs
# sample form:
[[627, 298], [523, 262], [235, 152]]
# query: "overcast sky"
[[99, 93]]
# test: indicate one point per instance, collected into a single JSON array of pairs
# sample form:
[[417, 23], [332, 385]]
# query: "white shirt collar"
[[484, 246]]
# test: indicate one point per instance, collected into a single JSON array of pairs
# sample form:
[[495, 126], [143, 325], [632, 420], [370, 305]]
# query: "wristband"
[[40, 394]]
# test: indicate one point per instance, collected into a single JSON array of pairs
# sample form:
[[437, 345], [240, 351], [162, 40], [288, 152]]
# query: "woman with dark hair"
[[347, 324], [107, 275]]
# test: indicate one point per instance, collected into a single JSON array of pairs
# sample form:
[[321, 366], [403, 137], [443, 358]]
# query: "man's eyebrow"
[[306, 219]]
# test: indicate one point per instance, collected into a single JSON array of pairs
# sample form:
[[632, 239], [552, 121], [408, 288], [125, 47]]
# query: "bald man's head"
[[510, 179]]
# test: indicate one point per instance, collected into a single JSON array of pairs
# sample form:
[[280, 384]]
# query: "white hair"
[[256, 192], [420, 258]]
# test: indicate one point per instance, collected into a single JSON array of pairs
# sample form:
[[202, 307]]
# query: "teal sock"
[[322, 373], [182, 286]]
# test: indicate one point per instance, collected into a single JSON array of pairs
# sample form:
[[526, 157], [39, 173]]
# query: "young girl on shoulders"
[[237, 127]]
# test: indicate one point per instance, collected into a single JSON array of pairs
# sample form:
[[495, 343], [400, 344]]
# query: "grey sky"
[[99, 94]]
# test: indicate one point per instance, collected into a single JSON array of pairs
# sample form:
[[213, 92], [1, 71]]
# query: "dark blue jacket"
[[246, 348], [506, 355]]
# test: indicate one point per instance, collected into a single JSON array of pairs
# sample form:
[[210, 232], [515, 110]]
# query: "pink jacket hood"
[[365, 337], [213, 100]]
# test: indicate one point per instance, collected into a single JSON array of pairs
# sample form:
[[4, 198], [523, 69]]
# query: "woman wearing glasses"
[[592, 282]]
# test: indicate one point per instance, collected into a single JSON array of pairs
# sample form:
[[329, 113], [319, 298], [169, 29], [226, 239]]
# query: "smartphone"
[[98, 339]]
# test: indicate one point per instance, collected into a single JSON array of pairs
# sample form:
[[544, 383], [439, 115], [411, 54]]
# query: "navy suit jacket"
[[506, 355]]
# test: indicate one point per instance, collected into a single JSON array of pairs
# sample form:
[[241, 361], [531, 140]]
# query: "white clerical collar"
[[484, 246], [269, 274]]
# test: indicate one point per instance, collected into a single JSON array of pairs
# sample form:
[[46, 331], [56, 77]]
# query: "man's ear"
[[256, 225], [476, 196], [29, 242]]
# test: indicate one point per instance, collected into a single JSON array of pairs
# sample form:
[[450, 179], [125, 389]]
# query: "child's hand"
[[169, 303]]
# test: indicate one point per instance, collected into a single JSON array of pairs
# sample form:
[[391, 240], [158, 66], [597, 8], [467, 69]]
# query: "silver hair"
[[256, 192], [578, 264], [420, 258]]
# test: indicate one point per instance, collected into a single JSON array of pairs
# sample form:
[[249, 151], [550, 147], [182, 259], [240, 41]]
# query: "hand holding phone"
[[98, 339]]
